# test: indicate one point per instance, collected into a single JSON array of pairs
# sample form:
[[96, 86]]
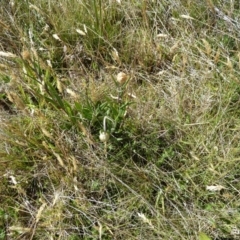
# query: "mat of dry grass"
[[119, 119]]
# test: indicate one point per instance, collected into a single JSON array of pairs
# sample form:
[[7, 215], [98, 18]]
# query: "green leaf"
[[203, 236]]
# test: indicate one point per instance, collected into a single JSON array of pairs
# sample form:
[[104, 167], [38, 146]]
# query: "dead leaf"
[[186, 16], [215, 188]]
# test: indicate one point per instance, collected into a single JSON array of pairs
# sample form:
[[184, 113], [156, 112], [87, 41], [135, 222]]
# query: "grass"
[[160, 79]]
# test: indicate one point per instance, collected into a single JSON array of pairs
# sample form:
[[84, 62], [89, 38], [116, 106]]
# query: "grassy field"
[[120, 119]]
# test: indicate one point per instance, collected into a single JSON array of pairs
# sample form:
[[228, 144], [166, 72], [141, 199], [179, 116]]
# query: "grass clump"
[[119, 120]]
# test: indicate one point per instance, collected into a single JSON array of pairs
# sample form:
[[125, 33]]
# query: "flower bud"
[[104, 136]]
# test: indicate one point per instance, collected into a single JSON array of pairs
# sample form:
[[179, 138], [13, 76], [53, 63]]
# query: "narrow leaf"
[[203, 236]]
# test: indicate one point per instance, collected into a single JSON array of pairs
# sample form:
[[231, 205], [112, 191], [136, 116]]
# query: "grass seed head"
[[26, 55]]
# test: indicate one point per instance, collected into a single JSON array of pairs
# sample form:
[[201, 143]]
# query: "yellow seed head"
[[25, 55]]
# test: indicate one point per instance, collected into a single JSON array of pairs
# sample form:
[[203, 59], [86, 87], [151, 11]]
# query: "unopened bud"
[[104, 136]]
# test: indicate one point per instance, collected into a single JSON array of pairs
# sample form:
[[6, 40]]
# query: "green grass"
[[169, 169]]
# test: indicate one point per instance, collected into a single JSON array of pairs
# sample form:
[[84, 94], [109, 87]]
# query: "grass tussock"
[[119, 119]]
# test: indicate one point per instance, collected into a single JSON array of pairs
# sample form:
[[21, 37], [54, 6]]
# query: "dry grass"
[[169, 168]]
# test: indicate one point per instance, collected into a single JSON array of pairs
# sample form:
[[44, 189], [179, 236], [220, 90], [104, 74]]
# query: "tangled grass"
[[119, 119]]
